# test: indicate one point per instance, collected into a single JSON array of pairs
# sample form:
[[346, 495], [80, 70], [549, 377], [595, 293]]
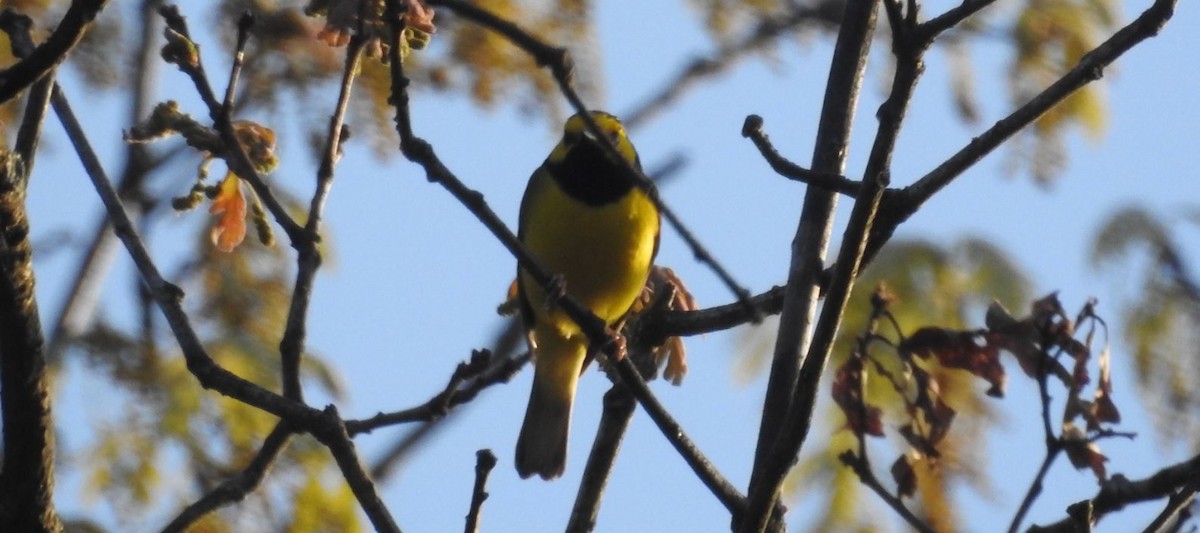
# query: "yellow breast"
[[603, 253]]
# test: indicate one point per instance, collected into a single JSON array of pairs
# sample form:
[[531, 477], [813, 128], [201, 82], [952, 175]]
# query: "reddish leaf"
[[847, 394], [905, 477], [419, 16], [230, 228], [259, 143], [976, 353]]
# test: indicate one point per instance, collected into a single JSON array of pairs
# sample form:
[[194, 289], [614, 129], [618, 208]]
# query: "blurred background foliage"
[[1160, 311], [242, 299]]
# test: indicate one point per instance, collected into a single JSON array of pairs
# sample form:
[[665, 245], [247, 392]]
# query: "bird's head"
[[576, 134]]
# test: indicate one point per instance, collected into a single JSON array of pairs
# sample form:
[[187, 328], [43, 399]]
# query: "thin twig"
[[1035, 487], [725, 492], [1053, 442], [769, 29], [509, 339], [452, 396], [238, 486], [752, 129], [929, 30], [485, 461], [245, 23], [308, 256], [30, 132], [867, 477]]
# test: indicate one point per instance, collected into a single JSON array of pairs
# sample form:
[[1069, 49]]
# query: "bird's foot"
[[618, 346], [555, 290]]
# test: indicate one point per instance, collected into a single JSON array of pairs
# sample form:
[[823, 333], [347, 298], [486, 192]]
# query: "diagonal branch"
[[1089, 69], [237, 487], [51, 52], [480, 373], [1119, 491]]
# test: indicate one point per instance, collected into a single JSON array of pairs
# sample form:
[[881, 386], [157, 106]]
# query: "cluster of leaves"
[[1037, 341]]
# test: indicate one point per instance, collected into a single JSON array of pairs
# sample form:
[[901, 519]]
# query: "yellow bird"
[[585, 219]]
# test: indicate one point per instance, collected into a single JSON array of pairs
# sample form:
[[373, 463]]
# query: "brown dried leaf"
[[976, 353], [419, 16], [1083, 454], [847, 394], [905, 477]]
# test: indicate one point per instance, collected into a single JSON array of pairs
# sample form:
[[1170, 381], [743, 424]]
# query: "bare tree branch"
[[308, 257], [332, 433], [482, 372], [27, 475], [619, 405], [79, 303], [1089, 69], [752, 129], [808, 253]]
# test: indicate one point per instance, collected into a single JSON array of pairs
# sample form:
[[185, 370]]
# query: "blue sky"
[[415, 279]]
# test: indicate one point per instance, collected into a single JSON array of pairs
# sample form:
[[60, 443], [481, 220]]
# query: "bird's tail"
[[542, 444]]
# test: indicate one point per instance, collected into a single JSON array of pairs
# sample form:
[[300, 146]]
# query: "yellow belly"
[[603, 253]]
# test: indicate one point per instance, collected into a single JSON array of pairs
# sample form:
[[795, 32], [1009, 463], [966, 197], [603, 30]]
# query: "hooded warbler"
[[586, 220]]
